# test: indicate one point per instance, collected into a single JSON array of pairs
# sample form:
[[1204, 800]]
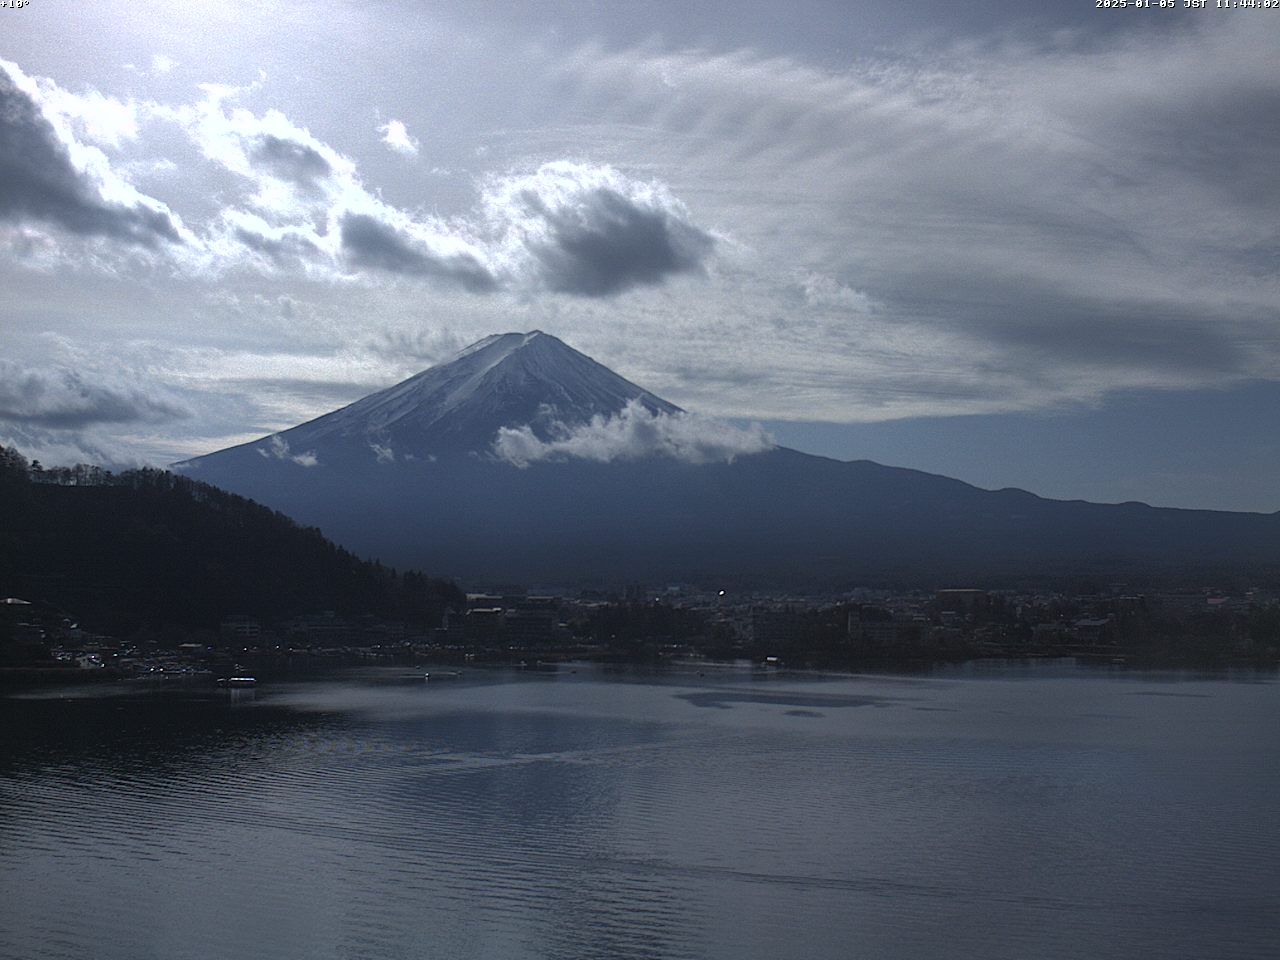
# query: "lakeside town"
[[39, 642]]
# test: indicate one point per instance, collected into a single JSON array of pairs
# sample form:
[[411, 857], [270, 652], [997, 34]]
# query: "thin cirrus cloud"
[[633, 433], [987, 235]]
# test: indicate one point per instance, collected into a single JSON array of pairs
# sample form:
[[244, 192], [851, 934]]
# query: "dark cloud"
[[285, 249], [1220, 136], [1044, 326], [607, 243], [1157, 337], [369, 242], [64, 400], [39, 182], [290, 160]]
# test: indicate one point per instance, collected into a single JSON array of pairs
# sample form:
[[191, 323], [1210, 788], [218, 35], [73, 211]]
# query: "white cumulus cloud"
[[278, 448], [634, 433], [396, 136]]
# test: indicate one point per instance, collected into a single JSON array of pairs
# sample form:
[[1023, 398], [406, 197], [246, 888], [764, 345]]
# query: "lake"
[[1015, 810]]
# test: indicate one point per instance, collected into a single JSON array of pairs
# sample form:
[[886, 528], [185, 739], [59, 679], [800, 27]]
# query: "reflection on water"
[[620, 813]]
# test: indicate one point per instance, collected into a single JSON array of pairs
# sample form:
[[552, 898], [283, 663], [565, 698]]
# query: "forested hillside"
[[146, 548]]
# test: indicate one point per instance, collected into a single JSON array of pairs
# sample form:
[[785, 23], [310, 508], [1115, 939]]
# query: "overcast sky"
[[1021, 245]]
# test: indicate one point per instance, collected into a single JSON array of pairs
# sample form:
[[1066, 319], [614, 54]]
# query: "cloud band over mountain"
[[634, 433]]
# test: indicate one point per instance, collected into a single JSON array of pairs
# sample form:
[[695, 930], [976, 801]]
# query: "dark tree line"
[[147, 548]]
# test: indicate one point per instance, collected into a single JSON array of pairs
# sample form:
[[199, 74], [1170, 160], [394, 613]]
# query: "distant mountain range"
[[523, 459]]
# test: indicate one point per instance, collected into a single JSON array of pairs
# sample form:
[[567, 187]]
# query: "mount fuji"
[[521, 458], [532, 380]]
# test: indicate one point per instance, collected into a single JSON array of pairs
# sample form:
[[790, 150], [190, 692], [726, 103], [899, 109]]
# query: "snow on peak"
[[531, 380]]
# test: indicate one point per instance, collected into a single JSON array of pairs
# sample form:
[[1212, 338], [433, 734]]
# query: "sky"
[[1021, 244]]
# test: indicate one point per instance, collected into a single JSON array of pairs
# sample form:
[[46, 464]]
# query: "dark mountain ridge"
[[149, 549]]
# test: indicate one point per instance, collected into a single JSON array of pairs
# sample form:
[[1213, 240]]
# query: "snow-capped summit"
[[529, 380]]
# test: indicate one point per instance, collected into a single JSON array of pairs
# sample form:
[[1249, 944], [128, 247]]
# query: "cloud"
[[422, 346], [373, 243], [633, 433], [162, 63], [292, 175], [94, 116], [823, 291], [290, 159], [590, 231], [47, 176], [579, 229], [61, 447], [283, 246], [396, 136], [969, 231], [1033, 221], [63, 399], [277, 447]]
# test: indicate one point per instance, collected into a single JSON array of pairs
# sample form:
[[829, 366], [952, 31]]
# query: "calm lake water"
[[1007, 811]]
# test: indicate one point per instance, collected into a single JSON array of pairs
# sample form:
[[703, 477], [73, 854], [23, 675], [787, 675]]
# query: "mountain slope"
[[438, 496]]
